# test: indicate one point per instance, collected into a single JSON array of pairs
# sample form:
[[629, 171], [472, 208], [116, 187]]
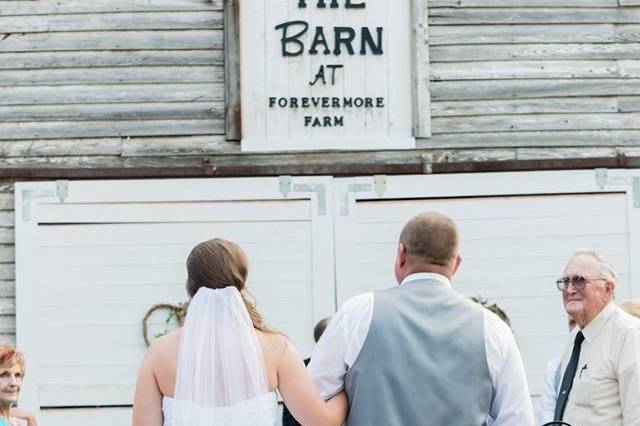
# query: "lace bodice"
[[246, 413]]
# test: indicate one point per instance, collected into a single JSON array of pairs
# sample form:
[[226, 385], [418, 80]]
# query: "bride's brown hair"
[[219, 263]]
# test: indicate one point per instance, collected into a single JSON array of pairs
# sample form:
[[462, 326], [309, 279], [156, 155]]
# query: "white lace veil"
[[221, 377]]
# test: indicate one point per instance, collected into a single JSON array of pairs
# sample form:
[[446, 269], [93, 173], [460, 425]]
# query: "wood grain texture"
[[60, 7], [92, 129], [466, 16], [129, 93], [112, 75], [500, 70], [90, 59], [532, 106], [537, 122], [117, 40], [523, 3], [113, 112], [115, 22], [536, 52], [510, 34], [512, 89], [549, 140]]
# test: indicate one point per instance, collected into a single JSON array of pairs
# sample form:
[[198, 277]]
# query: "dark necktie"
[[567, 378]]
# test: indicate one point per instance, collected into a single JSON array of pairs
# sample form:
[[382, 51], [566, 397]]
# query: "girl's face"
[[10, 383]]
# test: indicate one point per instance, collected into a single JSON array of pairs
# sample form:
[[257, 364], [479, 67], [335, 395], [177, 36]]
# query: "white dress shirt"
[[341, 343], [606, 386], [550, 388]]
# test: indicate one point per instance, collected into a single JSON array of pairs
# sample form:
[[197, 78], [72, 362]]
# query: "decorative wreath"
[[179, 312], [493, 307]]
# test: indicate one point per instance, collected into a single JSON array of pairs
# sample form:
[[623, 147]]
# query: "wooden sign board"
[[326, 74]]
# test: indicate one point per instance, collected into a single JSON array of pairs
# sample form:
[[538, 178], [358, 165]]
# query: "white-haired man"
[[601, 364]]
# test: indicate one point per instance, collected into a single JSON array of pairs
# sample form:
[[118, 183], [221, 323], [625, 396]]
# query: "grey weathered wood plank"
[[7, 253], [629, 2], [537, 122], [93, 129], [420, 71], [112, 75], [523, 3], [508, 34], [629, 69], [58, 7], [523, 139], [52, 60], [525, 106], [232, 69], [117, 40], [61, 147], [113, 112], [512, 52], [112, 22], [466, 16], [629, 104], [6, 220], [7, 235], [497, 70], [558, 153], [7, 272], [7, 306], [191, 145], [7, 289], [122, 93], [6, 203], [512, 89]]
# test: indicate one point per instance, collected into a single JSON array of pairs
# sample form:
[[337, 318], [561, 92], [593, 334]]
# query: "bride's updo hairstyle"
[[219, 263]]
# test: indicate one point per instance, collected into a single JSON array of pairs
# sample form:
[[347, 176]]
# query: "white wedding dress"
[[221, 377]]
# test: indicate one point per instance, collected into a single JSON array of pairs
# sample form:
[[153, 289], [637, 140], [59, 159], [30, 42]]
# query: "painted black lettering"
[[338, 121], [319, 76], [349, 5], [272, 102], [335, 102], [333, 69], [380, 102], [344, 35], [368, 103], [319, 39], [292, 39], [367, 40], [294, 102], [358, 102]]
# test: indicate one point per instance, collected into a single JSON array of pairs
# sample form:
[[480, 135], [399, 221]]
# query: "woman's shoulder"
[[165, 345]]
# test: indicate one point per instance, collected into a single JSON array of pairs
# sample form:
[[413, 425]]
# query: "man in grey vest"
[[421, 353]]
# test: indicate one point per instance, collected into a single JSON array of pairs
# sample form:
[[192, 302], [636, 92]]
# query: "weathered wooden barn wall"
[[141, 84]]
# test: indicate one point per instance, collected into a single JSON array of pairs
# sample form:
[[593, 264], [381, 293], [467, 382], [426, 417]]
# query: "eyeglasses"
[[578, 281]]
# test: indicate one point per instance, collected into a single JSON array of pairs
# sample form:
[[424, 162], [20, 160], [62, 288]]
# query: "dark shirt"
[[287, 418]]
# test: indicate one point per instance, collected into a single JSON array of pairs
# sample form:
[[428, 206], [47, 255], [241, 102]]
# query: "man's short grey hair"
[[606, 268]]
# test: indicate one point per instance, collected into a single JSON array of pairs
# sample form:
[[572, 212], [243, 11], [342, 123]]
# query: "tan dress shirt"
[[606, 387]]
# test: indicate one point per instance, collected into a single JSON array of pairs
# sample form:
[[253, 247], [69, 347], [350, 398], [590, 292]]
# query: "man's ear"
[[458, 263], [401, 257]]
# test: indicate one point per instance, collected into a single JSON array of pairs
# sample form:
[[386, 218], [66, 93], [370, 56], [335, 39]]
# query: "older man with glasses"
[[601, 363]]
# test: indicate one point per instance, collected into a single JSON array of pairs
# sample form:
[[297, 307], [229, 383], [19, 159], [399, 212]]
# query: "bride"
[[224, 365]]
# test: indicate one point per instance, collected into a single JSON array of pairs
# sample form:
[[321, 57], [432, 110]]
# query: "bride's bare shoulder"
[[273, 344], [166, 344]]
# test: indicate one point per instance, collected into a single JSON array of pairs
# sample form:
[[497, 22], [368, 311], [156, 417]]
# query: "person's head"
[[320, 327], [429, 242], [219, 263], [632, 307], [12, 369], [588, 285]]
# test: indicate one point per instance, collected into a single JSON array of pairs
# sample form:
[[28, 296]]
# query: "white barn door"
[[93, 257], [517, 230]]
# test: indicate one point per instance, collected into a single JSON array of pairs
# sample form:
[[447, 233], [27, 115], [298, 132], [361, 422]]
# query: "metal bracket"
[[284, 183], [62, 190], [30, 194], [601, 178], [380, 184], [635, 184], [352, 188], [320, 191], [287, 187]]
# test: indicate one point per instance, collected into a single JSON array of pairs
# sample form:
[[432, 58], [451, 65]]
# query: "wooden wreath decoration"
[[177, 312]]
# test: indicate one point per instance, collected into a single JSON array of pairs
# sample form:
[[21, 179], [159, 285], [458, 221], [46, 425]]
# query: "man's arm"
[[340, 344], [511, 404], [629, 378]]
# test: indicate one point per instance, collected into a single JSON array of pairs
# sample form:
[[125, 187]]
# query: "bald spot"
[[432, 237]]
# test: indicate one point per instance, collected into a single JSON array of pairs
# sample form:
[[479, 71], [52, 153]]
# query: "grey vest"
[[423, 361]]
